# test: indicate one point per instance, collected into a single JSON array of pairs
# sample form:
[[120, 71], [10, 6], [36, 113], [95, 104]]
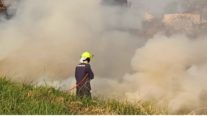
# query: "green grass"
[[25, 99]]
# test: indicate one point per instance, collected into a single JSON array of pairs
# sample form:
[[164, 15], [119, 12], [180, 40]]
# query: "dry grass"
[[26, 99]]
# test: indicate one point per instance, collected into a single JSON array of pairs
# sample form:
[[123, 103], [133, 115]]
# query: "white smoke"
[[50, 36], [169, 71], [43, 41]]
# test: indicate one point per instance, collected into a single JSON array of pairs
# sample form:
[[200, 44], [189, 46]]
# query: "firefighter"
[[84, 75]]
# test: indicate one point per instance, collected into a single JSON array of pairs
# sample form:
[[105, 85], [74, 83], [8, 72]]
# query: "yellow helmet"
[[86, 55]]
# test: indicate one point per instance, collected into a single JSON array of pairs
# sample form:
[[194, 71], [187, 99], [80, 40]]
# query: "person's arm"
[[76, 73], [90, 72]]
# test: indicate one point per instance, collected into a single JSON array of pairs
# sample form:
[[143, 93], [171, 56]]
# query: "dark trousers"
[[84, 91]]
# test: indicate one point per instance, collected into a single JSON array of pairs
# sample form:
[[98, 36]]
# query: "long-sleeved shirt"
[[81, 71]]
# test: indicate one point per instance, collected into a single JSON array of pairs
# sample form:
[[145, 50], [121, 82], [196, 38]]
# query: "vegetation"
[[25, 99]]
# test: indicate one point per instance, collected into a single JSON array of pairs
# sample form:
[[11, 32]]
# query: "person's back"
[[83, 75]]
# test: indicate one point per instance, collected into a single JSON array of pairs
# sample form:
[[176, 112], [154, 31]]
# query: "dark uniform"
[[83, 75]]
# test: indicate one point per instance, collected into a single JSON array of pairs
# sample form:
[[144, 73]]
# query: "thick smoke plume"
[[170, 70], [46, 38], [43, 41]]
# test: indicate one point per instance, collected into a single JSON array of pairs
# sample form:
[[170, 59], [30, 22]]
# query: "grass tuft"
[[28, 100]]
